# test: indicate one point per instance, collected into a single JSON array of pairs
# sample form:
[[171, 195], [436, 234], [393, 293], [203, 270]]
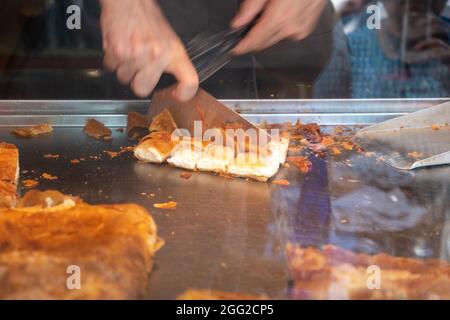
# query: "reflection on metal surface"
[[445, 247], [371, 210], [65, 113], [231, 235]]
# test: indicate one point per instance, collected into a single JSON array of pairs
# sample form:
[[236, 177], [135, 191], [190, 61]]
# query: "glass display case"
[[365, 62], [364, 50]]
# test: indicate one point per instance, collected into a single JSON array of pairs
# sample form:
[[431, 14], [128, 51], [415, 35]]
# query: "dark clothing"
[[282, 68], [42, 59]]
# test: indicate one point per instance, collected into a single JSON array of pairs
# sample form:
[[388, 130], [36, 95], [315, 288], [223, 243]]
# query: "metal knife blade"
[[203, 107]]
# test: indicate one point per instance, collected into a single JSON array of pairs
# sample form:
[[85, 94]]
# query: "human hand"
[[140, 46], [280, 20]]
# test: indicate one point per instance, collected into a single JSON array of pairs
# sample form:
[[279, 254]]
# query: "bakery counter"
[[244, 236]]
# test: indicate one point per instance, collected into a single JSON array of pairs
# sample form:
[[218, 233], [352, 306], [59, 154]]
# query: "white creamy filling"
[[185, 156], [216, 159], [149, 155]]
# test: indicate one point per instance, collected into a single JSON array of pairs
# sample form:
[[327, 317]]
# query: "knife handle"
[[210, 52]]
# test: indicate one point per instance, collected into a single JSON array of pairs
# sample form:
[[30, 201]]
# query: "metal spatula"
[[420, 139]]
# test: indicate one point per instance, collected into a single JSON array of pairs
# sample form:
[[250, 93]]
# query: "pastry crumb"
[[166, 205], [186, 175], [29, 183], [48, 176], [282, 182]]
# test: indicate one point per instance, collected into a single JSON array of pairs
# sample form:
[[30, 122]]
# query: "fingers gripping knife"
[[420, 139], [211, 52]]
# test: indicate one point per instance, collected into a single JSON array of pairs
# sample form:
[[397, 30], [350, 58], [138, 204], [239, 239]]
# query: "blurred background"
[[408, 57]]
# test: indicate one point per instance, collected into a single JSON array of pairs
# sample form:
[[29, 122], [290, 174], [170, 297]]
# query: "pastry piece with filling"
[[155, 148], [335, 273], [158, 145], [215, 158], [187, 154], [9, 174], [263, 164], [261, 169], [54, 247]]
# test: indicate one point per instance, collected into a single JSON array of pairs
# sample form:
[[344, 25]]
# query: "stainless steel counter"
[[230, 234]]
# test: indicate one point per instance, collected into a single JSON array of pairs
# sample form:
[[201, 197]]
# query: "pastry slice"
[[155, 148], [9, 174], [54, 247], [264, 164], [217, 155], [279, 147], [260, 171], [244, 160], [158, 145], [215, 158], [187, 154]]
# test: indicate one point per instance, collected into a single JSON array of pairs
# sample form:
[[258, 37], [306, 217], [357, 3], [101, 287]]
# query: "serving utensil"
[[420, 139]]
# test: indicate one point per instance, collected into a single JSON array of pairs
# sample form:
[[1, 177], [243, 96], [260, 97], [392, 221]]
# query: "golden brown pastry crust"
[[155, 148], [137, 125], [97, 130], [9, 169], [46, 200], [335, 273], [162, 141], [113, 245], [243, 159], [158, 145], [163, 122]]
